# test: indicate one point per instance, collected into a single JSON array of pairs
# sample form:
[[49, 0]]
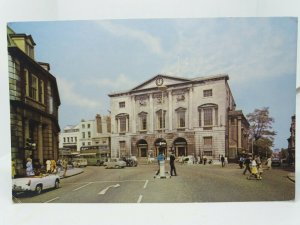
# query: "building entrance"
[[142, 146], [160, 145], [180, 146]]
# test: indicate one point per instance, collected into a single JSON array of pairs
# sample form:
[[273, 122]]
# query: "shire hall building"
[[186, 116]]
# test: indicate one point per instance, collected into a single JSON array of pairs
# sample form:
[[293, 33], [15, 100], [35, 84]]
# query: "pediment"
[[164, 79]]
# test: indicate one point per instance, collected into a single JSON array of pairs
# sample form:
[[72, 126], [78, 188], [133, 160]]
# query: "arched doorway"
[[160, 145], [180, 146], [142, 146]]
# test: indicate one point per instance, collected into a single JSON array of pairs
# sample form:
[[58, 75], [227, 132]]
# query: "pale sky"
[[91, 59]]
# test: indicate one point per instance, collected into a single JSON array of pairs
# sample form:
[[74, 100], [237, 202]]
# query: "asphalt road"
[[194, 183]]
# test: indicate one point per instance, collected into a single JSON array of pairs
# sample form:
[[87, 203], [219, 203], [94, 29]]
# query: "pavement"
[[70, 172]]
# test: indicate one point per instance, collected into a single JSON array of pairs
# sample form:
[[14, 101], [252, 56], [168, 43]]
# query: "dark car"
[[276, 162]]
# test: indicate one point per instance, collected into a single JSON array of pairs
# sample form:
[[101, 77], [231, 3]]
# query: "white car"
[[114, 163], [35, 183]]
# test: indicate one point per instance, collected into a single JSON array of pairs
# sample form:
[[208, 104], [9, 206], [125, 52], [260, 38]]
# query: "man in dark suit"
[[172, 165]]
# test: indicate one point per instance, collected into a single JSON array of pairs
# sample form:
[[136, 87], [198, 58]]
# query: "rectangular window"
[[89, 143], [122, 147], [42, 92], [83, 135], [208, 118], [181, 119], [75, 139], [121, 104], [83, 126], [68, 139], [108, 125], [26, 82], [207, 153], [83, 143], [207, 141], [89, 134], [123, 124], [143, 122], [64, 140], [72, 139], [34, 88], [161, 120], [207, 93], [89, 125]]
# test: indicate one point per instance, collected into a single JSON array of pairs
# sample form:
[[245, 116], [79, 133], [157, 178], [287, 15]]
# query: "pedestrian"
[[48, 166], [13, 169], [269, 163], [247, 165], [29, 167], [160, 158], [53, 166], [204, 160], [172, 165], [258, 161], [223, 161], [241, 162], [65, 166]]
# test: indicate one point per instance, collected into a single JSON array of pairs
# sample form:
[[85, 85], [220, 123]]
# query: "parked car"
[[35, 184], [130, 161], [190, 159], [80, 162], [276, 162], [114, 163]]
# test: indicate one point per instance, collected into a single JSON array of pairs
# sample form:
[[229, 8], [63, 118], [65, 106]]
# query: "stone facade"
[[187, 116], [34, 102]]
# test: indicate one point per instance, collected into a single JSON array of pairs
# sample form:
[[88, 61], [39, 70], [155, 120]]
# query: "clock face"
[[159, 81]]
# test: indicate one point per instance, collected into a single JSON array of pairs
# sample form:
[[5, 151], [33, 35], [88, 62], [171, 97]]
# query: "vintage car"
[[79, 162], [114, 163], [130, 161], [35, 184]]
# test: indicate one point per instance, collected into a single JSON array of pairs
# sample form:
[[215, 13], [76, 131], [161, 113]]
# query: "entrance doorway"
[[180, 145], [160, 146], [142, 146]]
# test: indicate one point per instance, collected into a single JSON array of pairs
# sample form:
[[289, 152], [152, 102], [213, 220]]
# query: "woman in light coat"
[[269, 163]]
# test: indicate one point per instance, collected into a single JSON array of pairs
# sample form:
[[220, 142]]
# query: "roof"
[[169, 81]]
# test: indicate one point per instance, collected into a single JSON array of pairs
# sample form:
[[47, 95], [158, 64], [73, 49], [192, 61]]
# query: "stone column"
[[151, 116], [239, 131], [127, 124], [190, 109], [170, 109], [40, 143]]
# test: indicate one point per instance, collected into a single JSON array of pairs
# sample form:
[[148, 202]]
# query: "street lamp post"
[[159, 82]]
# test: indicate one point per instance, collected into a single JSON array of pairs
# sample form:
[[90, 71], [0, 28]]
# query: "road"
[[194, 183]]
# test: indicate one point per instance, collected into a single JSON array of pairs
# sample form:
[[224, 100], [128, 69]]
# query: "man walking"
[[247, 164], [223, 161], [172, 165]]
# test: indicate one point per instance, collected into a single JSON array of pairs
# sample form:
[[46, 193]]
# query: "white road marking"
[[140, 199], [146, 184], [51, 200], [83, 186], [104, 190]]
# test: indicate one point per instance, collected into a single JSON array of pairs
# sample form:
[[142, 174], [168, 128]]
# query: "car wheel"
[[116, 166], [56, 185], [98, 163], [38, 189]]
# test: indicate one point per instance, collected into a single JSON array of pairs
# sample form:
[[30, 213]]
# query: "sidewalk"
[[70, 172]]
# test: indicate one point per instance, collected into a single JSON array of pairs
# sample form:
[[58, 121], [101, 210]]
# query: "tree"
[[261, 131]]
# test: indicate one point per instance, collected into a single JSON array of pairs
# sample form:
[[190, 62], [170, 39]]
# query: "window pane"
[[181, 116], [207, 141], [207, 93], [208, 120], [123, 124]]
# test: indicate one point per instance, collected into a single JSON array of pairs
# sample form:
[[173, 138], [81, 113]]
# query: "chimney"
[[98, 123]]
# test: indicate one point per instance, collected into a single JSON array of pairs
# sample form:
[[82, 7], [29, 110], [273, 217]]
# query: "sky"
[[91, 59]]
